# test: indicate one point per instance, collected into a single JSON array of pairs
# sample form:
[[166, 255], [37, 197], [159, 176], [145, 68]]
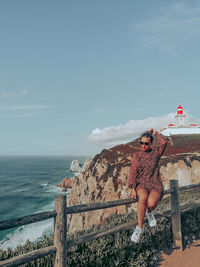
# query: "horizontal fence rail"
[[188, 187], [61, 210], [168, 191], [27, 220], [28, 257], [99, 205]]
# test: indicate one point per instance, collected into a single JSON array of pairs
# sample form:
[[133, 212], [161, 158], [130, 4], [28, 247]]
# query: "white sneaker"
[[151, 219], [136, 234]]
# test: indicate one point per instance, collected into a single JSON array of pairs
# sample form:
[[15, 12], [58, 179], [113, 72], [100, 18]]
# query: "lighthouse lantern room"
[[180, 117]]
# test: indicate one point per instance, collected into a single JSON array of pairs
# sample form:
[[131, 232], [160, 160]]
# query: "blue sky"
[[79, 76]]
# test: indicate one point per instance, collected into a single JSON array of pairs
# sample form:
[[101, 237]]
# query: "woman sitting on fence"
[[145, 181]]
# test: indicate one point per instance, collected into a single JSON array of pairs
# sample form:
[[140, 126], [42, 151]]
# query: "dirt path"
[[189, 257]]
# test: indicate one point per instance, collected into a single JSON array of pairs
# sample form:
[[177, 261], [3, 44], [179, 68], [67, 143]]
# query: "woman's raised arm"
[[162, 143]]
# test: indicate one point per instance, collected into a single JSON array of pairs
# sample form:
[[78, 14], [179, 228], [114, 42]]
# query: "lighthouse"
[[180, 117], [180, 127]]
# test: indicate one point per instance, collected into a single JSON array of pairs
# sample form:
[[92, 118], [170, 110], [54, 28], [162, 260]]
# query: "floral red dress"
[[144, 171]]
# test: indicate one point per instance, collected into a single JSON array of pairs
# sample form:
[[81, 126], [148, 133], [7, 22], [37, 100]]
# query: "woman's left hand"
[[152, 130]]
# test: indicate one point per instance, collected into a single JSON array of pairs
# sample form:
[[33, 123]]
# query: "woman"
[[145, 181]]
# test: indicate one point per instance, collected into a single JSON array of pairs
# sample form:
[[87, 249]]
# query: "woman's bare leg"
[[153, 200], [142, 203]]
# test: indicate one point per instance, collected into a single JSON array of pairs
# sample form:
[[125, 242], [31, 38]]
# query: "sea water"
[[28, 186]]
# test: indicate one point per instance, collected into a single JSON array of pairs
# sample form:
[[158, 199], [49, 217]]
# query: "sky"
[[80, 76]]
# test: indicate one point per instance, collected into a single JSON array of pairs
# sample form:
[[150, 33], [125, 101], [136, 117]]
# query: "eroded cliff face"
[[105, 177], [185, 169]]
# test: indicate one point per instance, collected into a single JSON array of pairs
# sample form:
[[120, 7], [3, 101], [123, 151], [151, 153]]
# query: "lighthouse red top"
[[179, 110]]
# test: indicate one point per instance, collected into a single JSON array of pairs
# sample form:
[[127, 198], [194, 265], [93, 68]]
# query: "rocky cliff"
[[66, 183], [105, 177]]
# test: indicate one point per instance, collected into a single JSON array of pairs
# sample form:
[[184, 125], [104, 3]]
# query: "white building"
[[180, 127]]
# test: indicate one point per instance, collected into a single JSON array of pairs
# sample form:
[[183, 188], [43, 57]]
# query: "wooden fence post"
[[60, 231], [176, 216]]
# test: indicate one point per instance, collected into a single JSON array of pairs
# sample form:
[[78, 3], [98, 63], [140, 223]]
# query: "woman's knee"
[[143, 199], [151, 203], [142, 196]]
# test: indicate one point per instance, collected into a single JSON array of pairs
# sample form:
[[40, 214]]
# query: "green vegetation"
[[118, 250]]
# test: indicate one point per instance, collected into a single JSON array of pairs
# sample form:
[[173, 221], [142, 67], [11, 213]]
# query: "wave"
[[50, 188], [18, 190], [54, 189], [32, 232]]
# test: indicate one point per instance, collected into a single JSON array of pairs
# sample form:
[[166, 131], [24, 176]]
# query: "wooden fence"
[[59, 249]]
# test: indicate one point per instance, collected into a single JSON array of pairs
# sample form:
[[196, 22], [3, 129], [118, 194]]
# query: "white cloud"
[[171, 27], [134, 128]]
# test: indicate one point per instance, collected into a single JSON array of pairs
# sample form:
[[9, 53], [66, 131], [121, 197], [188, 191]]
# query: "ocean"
[[28, 186]]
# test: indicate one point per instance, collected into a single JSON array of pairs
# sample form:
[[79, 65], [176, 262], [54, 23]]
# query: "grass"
[[118, 250]]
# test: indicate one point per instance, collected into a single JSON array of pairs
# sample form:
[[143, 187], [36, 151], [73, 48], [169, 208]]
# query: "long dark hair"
[[147, 134]]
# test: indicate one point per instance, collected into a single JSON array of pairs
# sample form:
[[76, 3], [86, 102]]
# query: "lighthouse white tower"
[[180, 117], [181, 127]]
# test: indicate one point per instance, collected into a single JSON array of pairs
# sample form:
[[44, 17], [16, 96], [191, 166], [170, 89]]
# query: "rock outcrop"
[[86, 163], [66, 183], [75, 167], [105, 177]]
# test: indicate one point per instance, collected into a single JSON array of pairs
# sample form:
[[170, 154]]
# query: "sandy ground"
[[189, 257]]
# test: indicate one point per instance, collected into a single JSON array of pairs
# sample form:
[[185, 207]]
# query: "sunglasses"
[[144, 143]]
